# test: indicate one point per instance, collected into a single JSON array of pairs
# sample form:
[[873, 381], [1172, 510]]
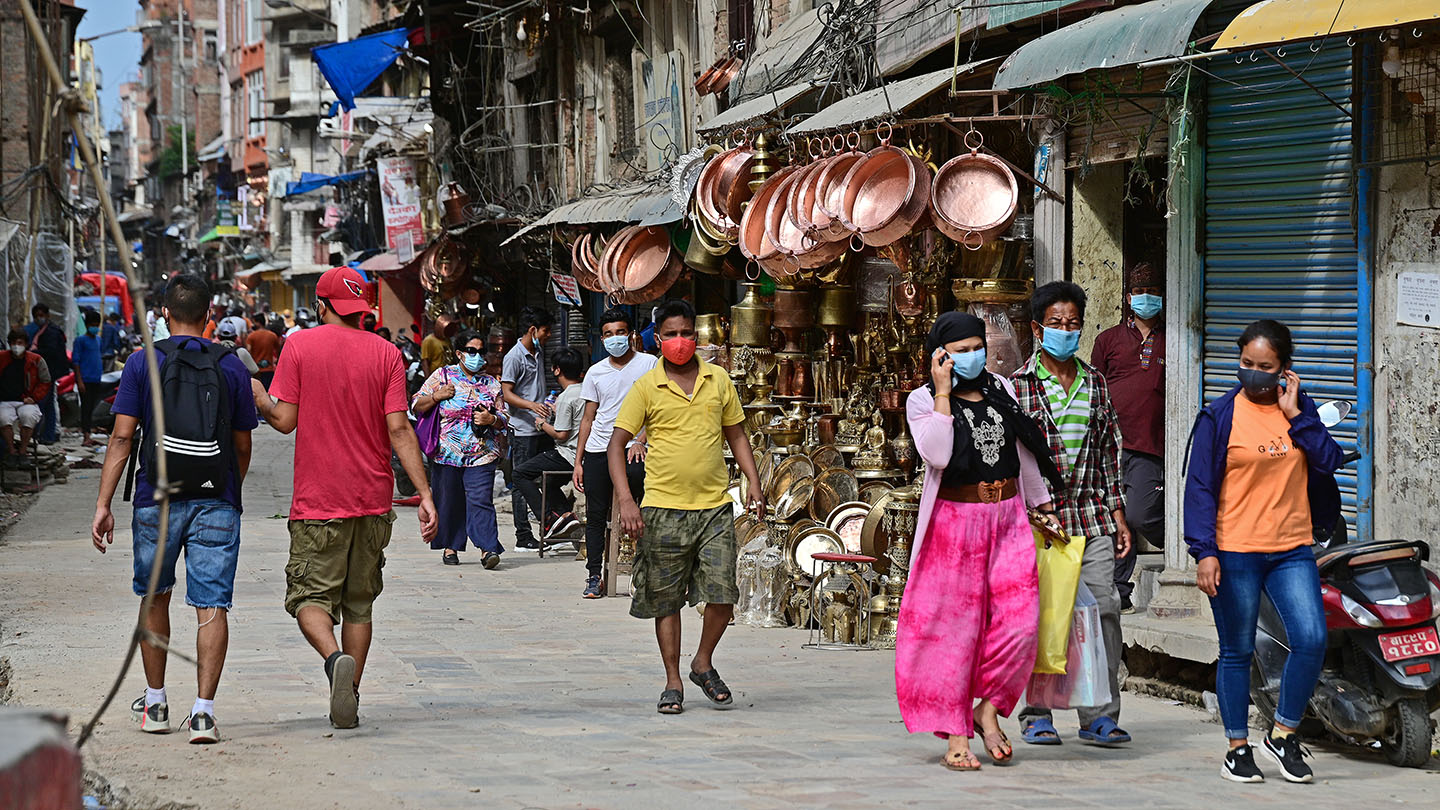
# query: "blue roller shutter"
[[1279, 228]]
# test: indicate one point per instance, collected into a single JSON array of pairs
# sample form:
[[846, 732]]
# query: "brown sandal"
[[994, 740], [960, 761]]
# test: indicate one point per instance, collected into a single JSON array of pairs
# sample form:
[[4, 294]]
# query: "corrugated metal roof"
[[894, 97], [1159, 29], [629, 204], [781, 52], [758, 107]]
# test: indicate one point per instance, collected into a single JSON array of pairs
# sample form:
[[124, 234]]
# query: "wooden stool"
[[545, 477], [614, 566], [825, 565]]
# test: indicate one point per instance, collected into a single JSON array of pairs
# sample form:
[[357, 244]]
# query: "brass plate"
[[826, 456], [812, 540], [843, 482], [872, 491], [785, 475], [766, 468], [847, 520], [874, 540], [794, 499], [824, 499]]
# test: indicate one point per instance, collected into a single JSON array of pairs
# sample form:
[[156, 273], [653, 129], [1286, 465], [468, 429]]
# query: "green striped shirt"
[[1070, 409]]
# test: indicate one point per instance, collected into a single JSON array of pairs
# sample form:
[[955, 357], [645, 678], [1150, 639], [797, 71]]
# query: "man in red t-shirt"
[[342, 390]]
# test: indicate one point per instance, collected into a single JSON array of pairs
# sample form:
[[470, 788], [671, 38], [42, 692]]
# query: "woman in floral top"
[[472, 427]]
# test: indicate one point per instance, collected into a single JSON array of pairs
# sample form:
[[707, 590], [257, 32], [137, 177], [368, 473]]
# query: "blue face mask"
[[472, 362], [1060, 344], [92, 331], [617, 345], [1146, 306], [968, 365]]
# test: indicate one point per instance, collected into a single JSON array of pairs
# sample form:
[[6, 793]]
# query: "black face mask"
[[1258, 384]]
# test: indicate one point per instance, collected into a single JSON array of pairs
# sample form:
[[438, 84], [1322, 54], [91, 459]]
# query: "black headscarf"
[[953, 326]]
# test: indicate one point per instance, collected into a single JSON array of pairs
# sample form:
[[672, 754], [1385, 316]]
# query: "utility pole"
[[181, 88]]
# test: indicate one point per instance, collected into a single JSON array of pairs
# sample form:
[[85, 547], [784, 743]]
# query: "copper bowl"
[[754, 243], [719, 224], [914, 214], [656, 286], [730, 189], [641, 260], [608, 270], [788, 239], [829, 197], [870, 211], [974, 199], [706, 77], [724, 76], [795, 232], [800, 206]]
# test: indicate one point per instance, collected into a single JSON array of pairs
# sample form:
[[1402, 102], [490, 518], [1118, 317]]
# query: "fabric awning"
[[759, 107], [310, 181], [1160, 29], [211, 151], [1275, 21], [351, 66], [881, 102]]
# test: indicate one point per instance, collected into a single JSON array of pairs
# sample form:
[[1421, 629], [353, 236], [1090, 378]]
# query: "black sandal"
[[710, 683], [672, 701], [450, 558]]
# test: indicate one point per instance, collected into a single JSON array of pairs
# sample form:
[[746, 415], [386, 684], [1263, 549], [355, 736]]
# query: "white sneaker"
[[154, 718]]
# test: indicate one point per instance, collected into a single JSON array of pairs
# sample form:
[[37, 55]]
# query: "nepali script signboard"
[[400, 204]]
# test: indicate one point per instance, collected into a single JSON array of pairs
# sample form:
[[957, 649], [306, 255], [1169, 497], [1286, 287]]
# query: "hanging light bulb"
[[520, 31], [1390, 65]]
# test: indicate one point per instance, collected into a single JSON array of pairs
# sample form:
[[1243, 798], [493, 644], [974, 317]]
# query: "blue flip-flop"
[[1106, 732], [1040, 725]]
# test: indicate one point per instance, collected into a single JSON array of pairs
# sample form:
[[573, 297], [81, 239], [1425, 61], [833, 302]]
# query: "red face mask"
[[678, 350]]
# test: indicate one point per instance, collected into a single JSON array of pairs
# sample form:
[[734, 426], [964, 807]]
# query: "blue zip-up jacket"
[[1210, 443]]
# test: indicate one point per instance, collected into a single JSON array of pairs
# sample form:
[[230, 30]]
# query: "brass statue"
[[875, 452]]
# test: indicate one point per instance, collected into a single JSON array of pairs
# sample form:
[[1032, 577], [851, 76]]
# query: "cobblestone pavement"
[[503, 689]]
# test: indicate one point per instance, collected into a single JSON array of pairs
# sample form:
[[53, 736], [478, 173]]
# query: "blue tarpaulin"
[[351, 66], [310, 181]]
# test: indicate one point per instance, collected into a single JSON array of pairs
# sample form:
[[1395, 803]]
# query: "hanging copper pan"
[[639, 261], [726, 74], [829, 195], [800, 201], [642, 289], [788, 239], [853, 208], [707, 194], [706, 76], [582, 265], [606, 271], [886, 194], [912, 211], [732, 185], [975, 198], [754, 243]]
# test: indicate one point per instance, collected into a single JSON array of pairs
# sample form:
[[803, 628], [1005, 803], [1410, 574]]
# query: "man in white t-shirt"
[[606, 384]]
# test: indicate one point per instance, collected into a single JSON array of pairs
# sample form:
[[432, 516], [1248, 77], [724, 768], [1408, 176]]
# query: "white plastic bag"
[[1086, 681]]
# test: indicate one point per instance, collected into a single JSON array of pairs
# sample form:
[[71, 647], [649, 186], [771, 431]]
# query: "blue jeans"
[[208, 529], [464, 503], [1292, 582], [49, 432]]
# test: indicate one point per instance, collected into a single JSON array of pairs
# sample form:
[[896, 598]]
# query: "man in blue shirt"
[[48, 340], [208, 528], [85, 354], [111, 340]]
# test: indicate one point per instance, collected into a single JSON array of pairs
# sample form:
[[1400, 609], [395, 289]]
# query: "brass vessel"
[[793, 316], [750, 319], [709, 329]]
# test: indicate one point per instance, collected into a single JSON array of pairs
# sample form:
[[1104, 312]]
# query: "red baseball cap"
[[344, 289]]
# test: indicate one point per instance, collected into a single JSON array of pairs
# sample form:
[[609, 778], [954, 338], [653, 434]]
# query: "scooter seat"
[[1380, 549]]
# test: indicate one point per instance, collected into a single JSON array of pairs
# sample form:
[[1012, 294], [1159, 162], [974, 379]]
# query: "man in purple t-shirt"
[[207, 528]]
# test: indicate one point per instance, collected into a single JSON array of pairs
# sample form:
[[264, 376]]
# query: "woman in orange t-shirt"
[[1259, 453]]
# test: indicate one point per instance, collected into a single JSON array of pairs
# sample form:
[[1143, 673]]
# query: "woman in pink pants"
[[968, 620]]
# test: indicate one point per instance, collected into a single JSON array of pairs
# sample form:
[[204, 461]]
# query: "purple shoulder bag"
[[427, 429]]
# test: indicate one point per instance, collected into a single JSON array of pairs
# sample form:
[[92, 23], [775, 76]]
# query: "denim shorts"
[[209, 531]]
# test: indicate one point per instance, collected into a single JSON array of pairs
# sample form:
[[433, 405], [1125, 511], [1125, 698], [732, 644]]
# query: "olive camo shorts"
[[685, 555], [335, 565]]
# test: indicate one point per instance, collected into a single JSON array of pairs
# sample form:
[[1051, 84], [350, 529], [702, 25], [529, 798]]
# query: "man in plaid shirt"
[[1071, 403]]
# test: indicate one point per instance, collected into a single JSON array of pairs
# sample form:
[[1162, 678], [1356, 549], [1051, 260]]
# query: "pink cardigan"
[[934, 436]]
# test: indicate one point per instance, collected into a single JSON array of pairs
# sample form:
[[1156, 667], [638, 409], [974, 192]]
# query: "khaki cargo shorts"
[[336, 564], [685, 555]]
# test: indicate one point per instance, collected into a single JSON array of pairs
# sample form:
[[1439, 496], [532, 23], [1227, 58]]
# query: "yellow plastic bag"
[[1058, 565]]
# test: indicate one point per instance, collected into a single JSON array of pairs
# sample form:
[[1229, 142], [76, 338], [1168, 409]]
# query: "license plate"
[[1410, 644]]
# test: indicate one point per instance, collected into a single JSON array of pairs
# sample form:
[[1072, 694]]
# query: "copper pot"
[[447, 326], [827, 426], [892, 196], [727, 74], [754, 243], [730, 189], [610, 264], [455, 205], [870, 211], [975, 198], [708, 198], [792, 233], [829, 197], [707, 76], [794, 308], [642, 266]]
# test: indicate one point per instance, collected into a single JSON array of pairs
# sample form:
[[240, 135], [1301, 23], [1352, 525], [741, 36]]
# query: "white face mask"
[[17, 349]]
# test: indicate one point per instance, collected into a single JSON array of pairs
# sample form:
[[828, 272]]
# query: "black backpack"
[[199, 447]]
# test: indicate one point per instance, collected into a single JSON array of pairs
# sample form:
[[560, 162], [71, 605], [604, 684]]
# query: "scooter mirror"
[[1334, 412]]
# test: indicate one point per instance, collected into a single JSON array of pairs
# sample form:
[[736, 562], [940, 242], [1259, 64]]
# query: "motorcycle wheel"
[[1407, 739]]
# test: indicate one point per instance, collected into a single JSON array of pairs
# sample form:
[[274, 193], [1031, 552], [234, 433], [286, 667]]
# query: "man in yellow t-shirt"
[[432, 351], [686, 528]]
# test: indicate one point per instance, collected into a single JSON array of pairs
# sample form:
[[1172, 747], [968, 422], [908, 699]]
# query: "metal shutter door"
[[1279, 235]]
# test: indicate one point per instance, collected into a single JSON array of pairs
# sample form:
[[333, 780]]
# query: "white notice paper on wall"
[[1418, 300]]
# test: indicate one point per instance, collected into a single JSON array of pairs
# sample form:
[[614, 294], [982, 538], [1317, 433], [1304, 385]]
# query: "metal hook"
[[1280, 52], [1416, 33], [1254, 57], [1240, 60], [1382, 36], [1315, 47], [1350, 42]]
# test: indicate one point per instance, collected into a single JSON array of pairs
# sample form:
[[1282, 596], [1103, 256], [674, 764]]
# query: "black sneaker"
[[1239, 766], [1289, 754], [489, 559], [594, 588], [562, 524], [527, 545], [344, 697], [153, 719], [202, 729]]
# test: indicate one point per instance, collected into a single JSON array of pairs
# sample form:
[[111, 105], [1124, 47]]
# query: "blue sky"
[[117, 55]]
